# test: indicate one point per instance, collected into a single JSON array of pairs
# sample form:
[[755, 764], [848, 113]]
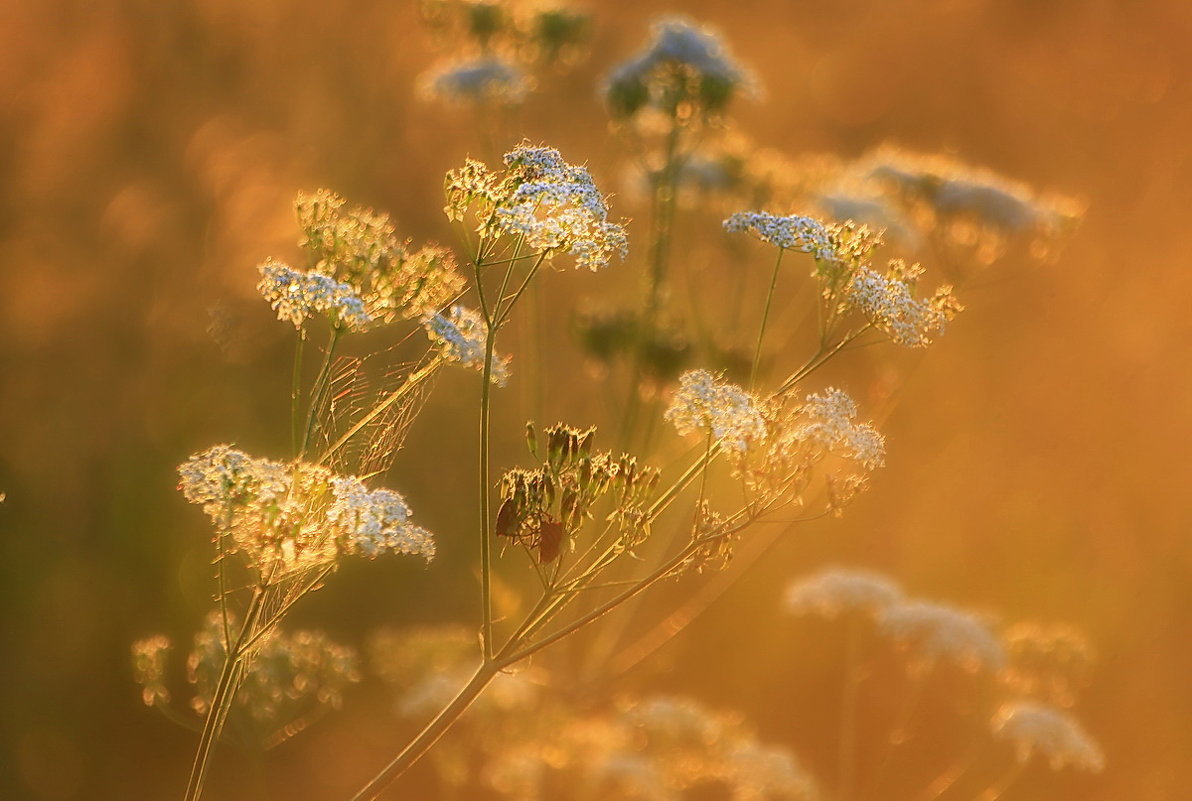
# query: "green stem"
[[757, 353], [296, 391], [316, 391], [221, 700], [485, 522], [431, 733]]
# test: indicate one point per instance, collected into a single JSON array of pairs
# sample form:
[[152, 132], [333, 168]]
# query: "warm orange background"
[[149, 153]]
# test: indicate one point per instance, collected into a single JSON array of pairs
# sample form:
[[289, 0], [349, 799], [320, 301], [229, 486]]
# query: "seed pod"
[[531, 438]]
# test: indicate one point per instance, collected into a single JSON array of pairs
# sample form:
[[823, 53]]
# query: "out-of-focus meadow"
[[1036, 462]]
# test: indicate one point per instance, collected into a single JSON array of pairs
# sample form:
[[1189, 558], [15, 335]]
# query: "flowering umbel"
[[553, 206], [289, 516]]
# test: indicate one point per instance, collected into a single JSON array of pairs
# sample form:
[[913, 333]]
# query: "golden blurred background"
[[150, 155]]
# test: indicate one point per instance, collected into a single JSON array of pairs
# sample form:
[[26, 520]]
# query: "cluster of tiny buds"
[[728, 413], [544, 507], [297, 296]]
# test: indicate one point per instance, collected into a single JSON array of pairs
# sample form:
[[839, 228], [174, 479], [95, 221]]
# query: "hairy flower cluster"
[[837, 591], [683, 64], [297, 296], [888, 301], [460, 334], [829, 423], [553, 205], [792, 232], [1036, 728], [360, 248], [485, 79], [287, 517], [727, 412], [936, 631], [1048, 662]]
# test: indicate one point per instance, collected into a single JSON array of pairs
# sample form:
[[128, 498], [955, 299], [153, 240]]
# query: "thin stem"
[[317, 390], [485, 523], [221, 700], [504, 314], [431, 733], [995, 792], [296, 391], [757, 353]]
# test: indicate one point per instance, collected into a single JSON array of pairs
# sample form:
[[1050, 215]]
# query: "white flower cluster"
[[683, 61], [484, 79], [375, 521], [829, 424], [296, 296], [792, 232], [835, 591], [705, 402], [557, 208], [888, 301], [1054, 734], [937, 631], [294, 516], [461, 334]]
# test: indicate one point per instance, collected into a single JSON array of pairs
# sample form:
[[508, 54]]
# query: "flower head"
[[480, 80], [1050, 732], [297, 296], [792, 232], [553, 205], [837, 590], [684, 63], [460, 335], [936, 631], [888, 301], [829, 424], [727, 412], [289, 517]]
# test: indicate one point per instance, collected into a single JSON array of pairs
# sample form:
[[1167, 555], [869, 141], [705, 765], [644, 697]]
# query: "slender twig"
[[757, 353]]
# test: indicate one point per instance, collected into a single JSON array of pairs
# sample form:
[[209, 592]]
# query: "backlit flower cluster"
[[683, 64], [888, 301], [727, 412], [460, 334], [934, 632], [554, 206], [1037, 728], [486, 79], [287, 517], [837, 591], [297, 296], [792, 232]]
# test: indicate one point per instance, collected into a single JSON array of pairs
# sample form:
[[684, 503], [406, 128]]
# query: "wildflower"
[[461, 336], [835, 591], [297, 296], [288, 517], [889, 303], [375, 521], [829, 425], [803, 234], [728, 412], [936, 631], [481, 80], [557, 207], [553, 205], [684, 63], [360, 248], [1033, 728]]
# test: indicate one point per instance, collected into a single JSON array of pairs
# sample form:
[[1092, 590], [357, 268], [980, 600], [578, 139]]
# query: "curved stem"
[[757, 353], [431, 733], [221, 700]]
